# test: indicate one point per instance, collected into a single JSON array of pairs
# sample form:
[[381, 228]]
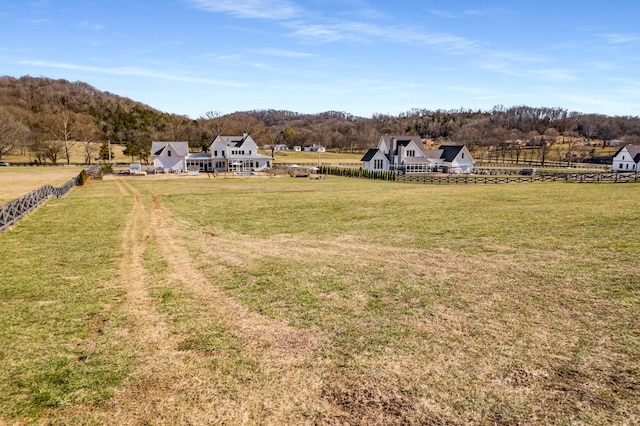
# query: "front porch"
[[228, 164]]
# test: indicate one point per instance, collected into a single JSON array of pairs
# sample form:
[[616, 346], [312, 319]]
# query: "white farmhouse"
[[226, 153], [407, 154], [315, 148], [627, 159], [170, 157], [236, 153]]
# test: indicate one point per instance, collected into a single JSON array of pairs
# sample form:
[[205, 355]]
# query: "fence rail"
[[546, 177], [13, 211]]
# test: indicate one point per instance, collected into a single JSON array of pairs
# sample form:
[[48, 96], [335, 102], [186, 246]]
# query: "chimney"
[[244, 136], [392, 148]]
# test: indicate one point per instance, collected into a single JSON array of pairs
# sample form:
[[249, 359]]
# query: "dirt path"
[[171, 386]]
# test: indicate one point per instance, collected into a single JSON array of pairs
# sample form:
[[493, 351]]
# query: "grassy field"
[[290, 157], [17, 181], [335, 301]]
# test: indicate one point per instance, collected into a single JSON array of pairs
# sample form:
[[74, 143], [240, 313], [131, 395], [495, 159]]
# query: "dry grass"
[[289, 301], [76, 152], [291, 157], [17, 181]]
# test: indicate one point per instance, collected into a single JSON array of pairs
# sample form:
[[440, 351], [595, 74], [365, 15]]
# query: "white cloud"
[[620, 38], [262, 9], [366, 33], [555, 74], [284, 53], [598, 102], [89, 25], [445, 14]]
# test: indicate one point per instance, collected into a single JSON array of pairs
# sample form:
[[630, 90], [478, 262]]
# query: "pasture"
[[334, 301], [17, 181]]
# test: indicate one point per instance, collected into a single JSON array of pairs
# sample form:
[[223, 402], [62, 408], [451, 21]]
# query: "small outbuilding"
[[627, 159]]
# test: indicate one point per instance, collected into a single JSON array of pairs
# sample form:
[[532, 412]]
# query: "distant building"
[[407, 154], [627, 159], [315, 148], [170, 157], [226, 153]]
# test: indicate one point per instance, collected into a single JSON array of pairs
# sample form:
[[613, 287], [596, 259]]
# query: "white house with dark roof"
[[627, 159], [170, 157], [237, 153], [226, 153], [407, 154]]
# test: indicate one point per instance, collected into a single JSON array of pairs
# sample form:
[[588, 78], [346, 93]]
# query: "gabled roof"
[[450, 152], [633, 150], [368, 156], [181, 148], [405, 139], [233, 140], [401, 140], [433, 154]]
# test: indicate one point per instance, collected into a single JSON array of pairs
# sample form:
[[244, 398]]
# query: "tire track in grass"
[[176, 386], [149, 385], [166, 387], [293, 381]]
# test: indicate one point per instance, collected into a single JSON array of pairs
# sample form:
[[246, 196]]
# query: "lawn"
[[290, 157], [17, 181], [295, 301]]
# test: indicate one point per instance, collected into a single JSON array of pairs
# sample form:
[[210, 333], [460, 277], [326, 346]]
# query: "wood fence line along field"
[[13, 211], [547, 177]]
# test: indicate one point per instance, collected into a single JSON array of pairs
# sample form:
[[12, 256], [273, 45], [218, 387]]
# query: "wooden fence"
[[13, 211], [546, 177]]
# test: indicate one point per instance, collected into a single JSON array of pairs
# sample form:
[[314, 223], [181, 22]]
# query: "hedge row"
[[358, 173]]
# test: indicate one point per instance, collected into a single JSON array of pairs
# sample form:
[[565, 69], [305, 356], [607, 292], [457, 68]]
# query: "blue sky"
[[358, 56]]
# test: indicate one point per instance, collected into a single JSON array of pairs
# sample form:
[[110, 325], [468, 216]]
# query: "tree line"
[[48, 118]]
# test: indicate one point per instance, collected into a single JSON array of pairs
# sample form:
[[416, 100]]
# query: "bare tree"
[[47, 149], [547, 141], [62, 128], [177, 127], [516, 144], [87, 132], [13, 133], [570, 140]]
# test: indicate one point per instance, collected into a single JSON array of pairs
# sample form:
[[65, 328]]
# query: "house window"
[[168, 153], [215, 153], [462, 155], [377, 164], [620, 165], [411, 153]]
